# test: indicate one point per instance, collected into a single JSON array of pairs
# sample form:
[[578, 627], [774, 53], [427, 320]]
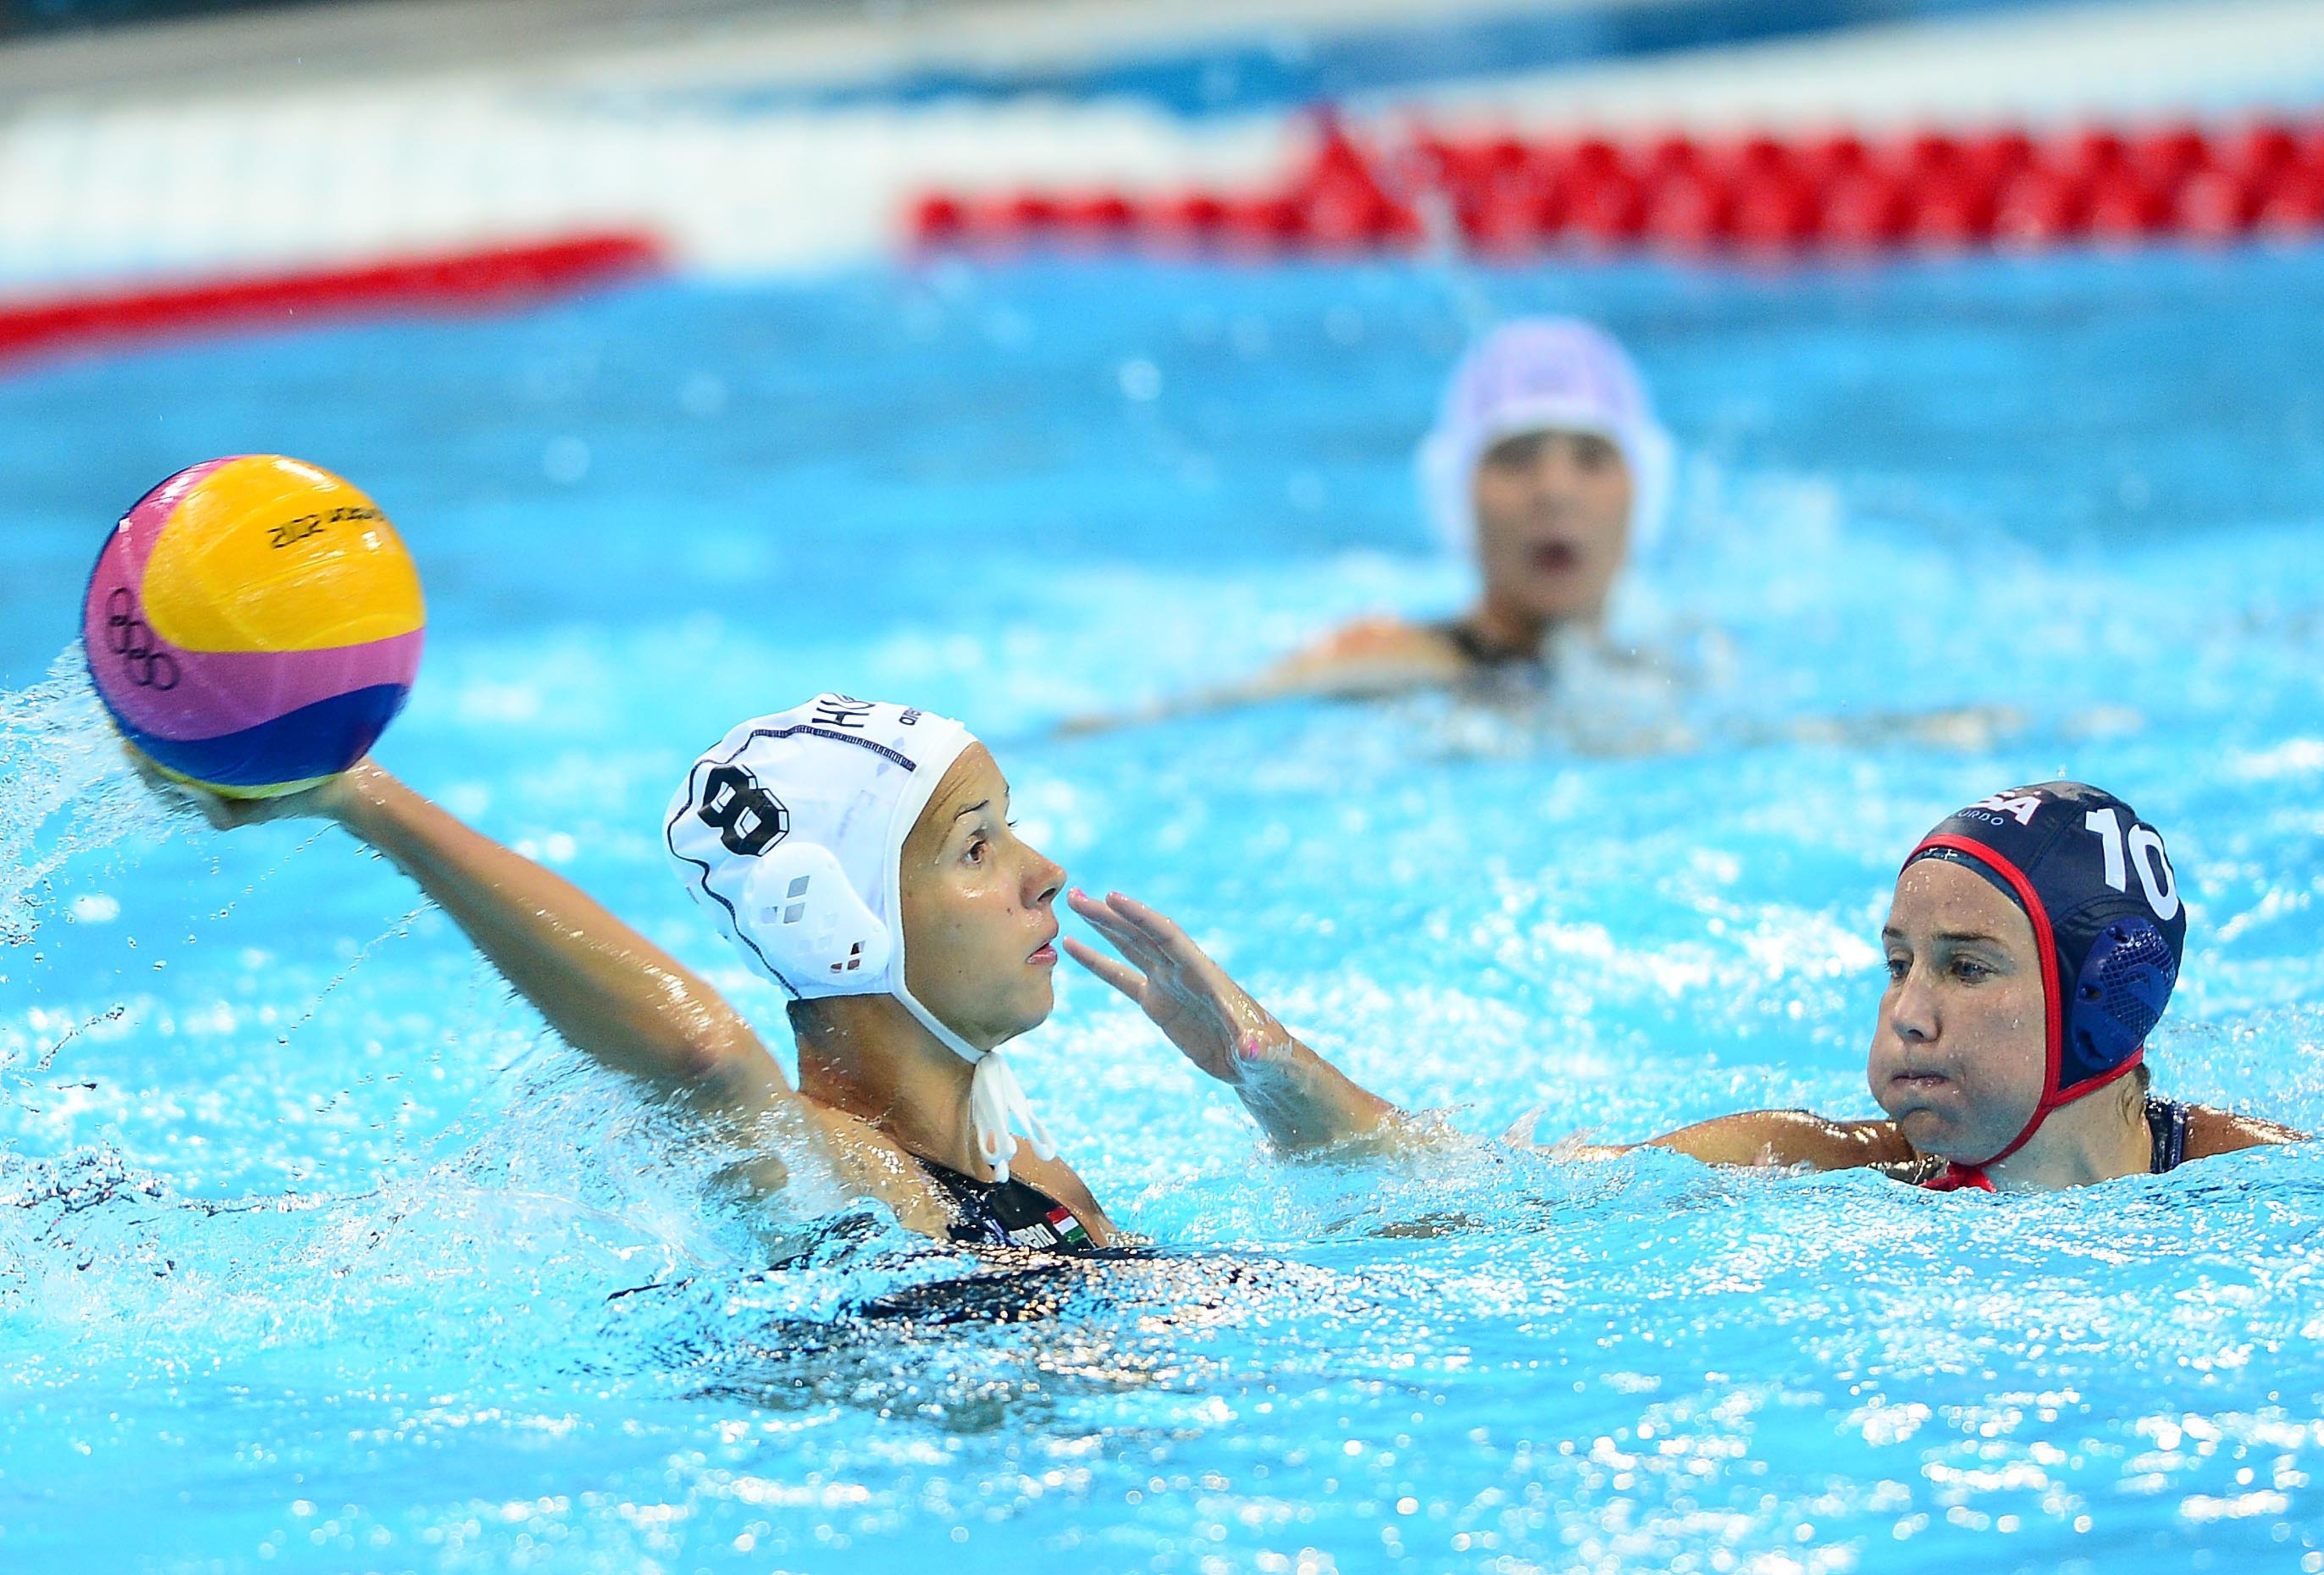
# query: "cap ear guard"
[[2125, 983], [805, 914]]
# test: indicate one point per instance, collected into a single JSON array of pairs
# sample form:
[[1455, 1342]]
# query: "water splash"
[[65, 790]]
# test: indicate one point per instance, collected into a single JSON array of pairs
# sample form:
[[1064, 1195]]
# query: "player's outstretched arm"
[[1370, 660], [1300, 1099], [606, 991], [1784, 1138]]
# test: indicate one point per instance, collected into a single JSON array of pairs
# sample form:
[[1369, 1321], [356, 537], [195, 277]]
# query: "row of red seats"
[[1760, 192]]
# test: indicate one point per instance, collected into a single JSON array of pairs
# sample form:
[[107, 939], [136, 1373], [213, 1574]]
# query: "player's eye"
[[1516, 452]]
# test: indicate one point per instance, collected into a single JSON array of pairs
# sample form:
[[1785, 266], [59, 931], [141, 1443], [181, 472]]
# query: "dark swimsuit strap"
[[1472, 645], [2166, 1119], [1010, 1213]]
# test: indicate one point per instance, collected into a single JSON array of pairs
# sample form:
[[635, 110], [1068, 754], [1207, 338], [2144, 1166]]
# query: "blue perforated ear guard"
[[2125, 983]]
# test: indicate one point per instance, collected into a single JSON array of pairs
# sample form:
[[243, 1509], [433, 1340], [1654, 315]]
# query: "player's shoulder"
[[1384, 636], [2210, 1131]]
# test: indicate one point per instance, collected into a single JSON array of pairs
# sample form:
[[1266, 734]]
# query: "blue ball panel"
[[314, 740]]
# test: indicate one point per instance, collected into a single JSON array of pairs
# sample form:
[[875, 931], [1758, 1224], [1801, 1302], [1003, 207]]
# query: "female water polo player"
[[822, 840], [1547, 469], [2031, 943]]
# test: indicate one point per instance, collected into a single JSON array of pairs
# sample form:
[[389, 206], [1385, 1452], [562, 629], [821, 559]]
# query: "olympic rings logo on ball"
[[131, 642]]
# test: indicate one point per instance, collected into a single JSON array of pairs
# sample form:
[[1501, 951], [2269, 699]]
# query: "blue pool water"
[[312, 1244]]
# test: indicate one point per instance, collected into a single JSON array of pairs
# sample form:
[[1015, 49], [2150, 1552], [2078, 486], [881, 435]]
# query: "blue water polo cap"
[[2098, 885]]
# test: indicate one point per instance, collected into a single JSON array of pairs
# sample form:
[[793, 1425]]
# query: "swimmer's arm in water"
[[1300, 1099], [606, 991], [1794, 1137], [1782, 1138], [1368, 659], [2210, 1131]]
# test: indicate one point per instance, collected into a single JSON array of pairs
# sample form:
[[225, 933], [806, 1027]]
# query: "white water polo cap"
[[1542, 375], [791, 831]]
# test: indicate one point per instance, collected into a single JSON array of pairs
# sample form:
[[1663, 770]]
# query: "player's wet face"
[[978, 909], [1552, 521], [1960, 1055]]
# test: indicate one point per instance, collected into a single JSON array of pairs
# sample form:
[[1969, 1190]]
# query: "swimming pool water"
[[315, 1249]]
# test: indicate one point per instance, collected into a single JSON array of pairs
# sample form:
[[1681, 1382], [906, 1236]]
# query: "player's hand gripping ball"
[[253, 625]]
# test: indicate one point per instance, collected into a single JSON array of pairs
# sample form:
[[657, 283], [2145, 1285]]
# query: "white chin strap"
[[995, 1104], [996, 1101]]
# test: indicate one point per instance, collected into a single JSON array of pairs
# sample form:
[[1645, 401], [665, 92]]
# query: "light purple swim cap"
[[1542, 375]]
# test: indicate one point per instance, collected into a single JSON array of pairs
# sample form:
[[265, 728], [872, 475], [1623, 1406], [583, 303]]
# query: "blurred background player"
[[1549, 472], [1547, 469]]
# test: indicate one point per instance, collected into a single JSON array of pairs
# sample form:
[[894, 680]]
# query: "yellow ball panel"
[[224, 790], [271, 554]]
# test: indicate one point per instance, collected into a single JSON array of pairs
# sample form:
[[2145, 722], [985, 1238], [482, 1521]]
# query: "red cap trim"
[[1960, 1178], [2067, 1096]]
